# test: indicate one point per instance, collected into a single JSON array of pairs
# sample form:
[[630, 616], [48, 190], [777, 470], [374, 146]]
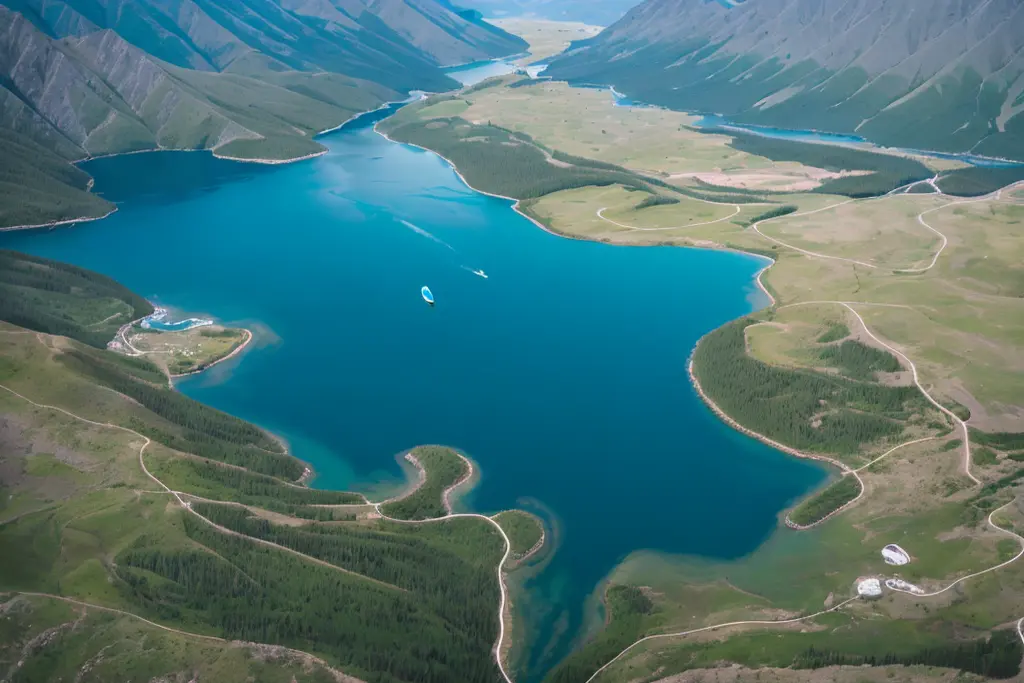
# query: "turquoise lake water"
[[563, 374]]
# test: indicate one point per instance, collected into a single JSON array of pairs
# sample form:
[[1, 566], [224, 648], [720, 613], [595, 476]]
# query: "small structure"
[[869, 588], [895, 555]]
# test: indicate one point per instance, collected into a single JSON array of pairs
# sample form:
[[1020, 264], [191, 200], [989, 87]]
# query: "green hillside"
[[234, 556], [248, 79], [56, 298]]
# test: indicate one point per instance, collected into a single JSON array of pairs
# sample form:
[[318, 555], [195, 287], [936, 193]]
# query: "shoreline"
[[267, 162], [211, 150], [57, 224], [454, 168], [844, 469]]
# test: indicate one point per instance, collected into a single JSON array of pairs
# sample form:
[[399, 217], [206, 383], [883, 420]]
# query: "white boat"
[[428, 296], [480, 273]]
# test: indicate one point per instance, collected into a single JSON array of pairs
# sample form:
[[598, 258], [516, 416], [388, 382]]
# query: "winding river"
[[562, 373]]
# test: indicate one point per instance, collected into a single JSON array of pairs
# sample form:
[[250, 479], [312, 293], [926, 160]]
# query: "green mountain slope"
[[240, 563], [929, 74], [253, 79]]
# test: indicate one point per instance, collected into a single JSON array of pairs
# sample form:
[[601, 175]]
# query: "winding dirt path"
[[913, 370], [1020, 623], [111, 610], [752, 622], [944, 241], [736, 210], [188, 505], [846, 470], [954, 584], [446, 497]]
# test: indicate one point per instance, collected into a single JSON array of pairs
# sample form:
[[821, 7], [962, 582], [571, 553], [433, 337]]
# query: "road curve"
[[446, 498], [600, 214], [1013, 559], [757, 622], [913, 370]]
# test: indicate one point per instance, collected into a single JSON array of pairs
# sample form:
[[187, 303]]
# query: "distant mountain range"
[[596, 12], [247, 78], [930, 74]]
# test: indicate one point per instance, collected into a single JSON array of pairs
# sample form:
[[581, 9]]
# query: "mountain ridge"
[[945, 75], [256, 79]]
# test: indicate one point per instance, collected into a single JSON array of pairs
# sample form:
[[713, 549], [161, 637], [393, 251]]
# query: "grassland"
[[188, 351], [546, 38]]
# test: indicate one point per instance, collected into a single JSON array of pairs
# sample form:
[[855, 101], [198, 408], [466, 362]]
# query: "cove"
[[563, 374]]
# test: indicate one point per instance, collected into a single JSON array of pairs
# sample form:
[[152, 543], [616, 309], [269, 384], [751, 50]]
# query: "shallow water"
[[563, 374]]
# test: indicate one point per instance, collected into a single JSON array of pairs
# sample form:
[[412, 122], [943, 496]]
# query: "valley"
[[794, 354]]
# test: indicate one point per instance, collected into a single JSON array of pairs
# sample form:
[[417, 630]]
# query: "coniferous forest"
[[58, 298], [804, 409]]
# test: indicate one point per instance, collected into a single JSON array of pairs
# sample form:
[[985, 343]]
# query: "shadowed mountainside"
[[251, 79], [928, 74]]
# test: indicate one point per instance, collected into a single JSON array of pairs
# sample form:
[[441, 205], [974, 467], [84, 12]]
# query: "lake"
[[563, 374]]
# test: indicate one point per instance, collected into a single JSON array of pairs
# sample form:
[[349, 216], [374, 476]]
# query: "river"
[[563, 373]]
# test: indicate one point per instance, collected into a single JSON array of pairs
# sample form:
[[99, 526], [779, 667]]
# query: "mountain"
[[251, 79], [930, 74], [594, 12]]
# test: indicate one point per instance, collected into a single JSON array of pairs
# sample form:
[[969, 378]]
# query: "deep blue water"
[[563, 374]]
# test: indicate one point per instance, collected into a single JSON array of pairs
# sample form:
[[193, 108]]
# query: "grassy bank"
[[807, 410], [824, 503], [442, 468]]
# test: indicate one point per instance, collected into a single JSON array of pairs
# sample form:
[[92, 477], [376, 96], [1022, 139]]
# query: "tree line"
[[822, 504], [859, 361], [57, 298], [212, 480], [801, 408], [998, 656], [887, 171]]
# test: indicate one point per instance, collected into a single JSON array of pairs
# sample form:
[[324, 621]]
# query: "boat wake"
[[420, 231]]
